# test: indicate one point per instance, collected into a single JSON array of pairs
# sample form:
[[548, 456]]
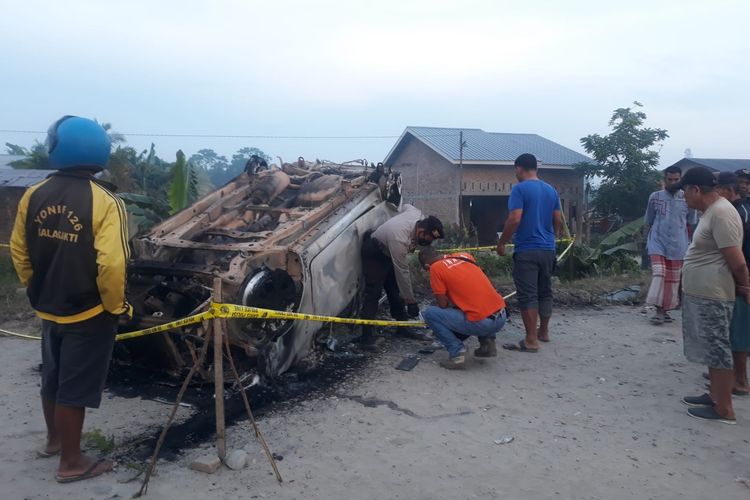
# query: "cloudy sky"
[[362, 71]]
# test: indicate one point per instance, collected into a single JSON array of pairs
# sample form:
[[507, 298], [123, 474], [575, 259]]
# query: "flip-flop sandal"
[[738, 392], [46, 454], [657, 321], [520, 347], [87, 474]]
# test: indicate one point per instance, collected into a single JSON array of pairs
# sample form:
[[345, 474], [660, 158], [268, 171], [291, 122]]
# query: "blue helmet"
[[75, 142]]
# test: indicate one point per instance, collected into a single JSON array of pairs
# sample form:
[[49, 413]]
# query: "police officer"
[[70, 248], [384, 263]]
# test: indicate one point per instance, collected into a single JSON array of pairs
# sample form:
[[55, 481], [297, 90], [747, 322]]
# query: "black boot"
[[368, 341]]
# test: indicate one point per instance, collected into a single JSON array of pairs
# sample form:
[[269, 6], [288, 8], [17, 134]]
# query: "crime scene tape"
[[14, 334], [486, 248], [4, 245], [234, 311]]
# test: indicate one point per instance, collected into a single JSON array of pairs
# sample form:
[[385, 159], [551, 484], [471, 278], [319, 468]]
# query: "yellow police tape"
[[488, 248], [13, 334], [4, 245], [234, 311]]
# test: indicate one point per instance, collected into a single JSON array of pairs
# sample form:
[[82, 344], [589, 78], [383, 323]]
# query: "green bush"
[[10, 299]]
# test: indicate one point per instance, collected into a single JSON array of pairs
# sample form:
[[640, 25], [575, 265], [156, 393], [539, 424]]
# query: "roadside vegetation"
[[12, 301], [152, 187]]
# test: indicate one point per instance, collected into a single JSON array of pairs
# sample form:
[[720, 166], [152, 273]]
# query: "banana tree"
[[183, 189]]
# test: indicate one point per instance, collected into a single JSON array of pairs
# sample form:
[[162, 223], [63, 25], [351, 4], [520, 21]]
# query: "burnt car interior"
[[274, 235]]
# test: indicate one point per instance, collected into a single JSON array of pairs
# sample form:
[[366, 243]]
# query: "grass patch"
[[96, 440], [11, 301]]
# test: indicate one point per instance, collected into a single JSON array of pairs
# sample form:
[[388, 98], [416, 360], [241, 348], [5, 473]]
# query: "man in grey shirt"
[[667, 216], [385, 266]]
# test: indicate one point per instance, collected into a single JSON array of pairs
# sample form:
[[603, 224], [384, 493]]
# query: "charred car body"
[[283, 238]]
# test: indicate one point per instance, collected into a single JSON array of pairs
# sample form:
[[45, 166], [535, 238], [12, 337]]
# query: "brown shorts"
[[75, 360]]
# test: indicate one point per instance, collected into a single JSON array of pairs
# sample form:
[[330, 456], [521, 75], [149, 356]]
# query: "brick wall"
[[430, 182], [498, 180]]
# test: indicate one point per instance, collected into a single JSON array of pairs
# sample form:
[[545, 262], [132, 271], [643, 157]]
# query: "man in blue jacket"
[[70, 250]]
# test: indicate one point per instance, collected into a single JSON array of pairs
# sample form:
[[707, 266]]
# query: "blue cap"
[[75, 142]]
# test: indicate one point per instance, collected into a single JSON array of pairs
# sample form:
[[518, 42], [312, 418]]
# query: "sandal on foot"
[[521, 347], [738, 392], [98, 468], [46, 454]]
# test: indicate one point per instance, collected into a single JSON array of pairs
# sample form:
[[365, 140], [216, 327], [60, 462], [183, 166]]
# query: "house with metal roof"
[[714, 164], [13, 183], [464, 176]]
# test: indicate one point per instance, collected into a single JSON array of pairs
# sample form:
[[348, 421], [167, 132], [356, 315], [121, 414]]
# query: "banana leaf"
[[622, 236]]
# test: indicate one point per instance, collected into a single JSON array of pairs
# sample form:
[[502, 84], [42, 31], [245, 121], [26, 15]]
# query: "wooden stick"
[[160, 441], [258, 434], [218, 331]]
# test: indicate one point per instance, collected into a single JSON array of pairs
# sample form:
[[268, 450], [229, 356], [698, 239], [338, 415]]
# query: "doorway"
[[487, 214]]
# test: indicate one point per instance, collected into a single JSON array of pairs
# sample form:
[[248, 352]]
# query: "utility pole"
[[461, 146]]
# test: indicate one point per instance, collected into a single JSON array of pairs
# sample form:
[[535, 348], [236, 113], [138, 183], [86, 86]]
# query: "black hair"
[[674, 169], [428, 255], [526, 161], [433, 226]]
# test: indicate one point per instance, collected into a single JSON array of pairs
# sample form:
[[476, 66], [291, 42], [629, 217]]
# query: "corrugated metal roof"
[[720, 164], [490, 146], [10, 177]]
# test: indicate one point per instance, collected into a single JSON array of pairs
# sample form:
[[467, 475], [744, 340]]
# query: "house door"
[[487, 214]]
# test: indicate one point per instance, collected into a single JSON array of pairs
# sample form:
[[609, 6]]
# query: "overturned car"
[[284, 238]]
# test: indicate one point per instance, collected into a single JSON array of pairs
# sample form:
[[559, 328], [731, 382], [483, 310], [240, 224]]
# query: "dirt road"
[[596, 414]]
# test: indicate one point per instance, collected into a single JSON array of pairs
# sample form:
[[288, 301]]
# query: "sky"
[[360, 72]]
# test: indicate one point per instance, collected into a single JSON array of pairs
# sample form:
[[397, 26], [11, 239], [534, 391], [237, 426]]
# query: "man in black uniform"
[[70, 248], [384, 264]]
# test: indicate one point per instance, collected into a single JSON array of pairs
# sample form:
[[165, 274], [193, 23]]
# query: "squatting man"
[[467, 304]]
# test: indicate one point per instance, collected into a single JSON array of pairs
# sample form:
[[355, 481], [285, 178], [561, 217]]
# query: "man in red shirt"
[[468, 305]]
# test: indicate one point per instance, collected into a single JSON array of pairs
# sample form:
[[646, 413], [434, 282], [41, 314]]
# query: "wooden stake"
[[258, 434], [160, 441], [218, 331]]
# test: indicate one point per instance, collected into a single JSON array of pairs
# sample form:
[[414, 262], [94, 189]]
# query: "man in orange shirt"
[[477, 308]]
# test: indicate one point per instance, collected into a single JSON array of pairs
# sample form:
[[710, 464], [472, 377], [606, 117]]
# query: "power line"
[[238, 136]]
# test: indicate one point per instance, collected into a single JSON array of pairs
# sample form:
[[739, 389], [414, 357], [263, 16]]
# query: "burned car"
[[285, 238]]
